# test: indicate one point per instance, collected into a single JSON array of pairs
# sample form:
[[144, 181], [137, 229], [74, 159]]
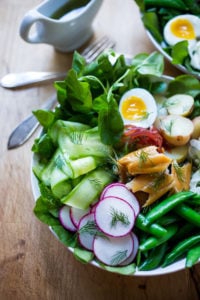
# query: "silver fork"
[[28, 126], [15, 80]]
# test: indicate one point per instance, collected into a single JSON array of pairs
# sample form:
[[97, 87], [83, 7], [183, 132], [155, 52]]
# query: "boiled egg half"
[[182, 27], [138, 107]]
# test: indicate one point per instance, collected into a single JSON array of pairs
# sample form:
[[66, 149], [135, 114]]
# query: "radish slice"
[[114, 184], [86, 231], [133, 253], [114, 216], [65, 219], [93, 207], [76, 214], [119, 190], [113, 251]]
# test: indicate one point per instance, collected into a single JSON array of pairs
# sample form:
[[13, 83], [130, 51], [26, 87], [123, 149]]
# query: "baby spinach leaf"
[[42, 212], [78, 93], [44, 146], [45, 117], [67, 238], [179, 52], [151, 22]]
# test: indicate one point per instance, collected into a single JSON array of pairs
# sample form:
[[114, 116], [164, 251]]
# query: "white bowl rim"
[[175, 267]]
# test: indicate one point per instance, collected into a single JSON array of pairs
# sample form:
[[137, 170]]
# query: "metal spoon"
[[14, 80]]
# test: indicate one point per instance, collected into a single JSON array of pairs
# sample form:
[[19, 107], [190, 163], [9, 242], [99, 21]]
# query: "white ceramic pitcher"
[[56, 23]]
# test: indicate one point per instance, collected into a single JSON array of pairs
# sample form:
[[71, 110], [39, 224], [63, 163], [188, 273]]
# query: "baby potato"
[[180, 104], [196, 131], [178, 153], [176, 130]]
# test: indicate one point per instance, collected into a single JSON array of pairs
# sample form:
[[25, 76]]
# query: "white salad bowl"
[[159, 47], [177, 266]]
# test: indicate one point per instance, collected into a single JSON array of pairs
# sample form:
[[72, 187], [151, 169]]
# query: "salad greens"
[[155, 15], [81, 137]]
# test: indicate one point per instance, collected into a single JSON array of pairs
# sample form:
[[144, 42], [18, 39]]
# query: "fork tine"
[[94, 45], [96, 48], [107, 45]]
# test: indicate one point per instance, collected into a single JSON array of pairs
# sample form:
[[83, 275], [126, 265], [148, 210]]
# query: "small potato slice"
[[180, 104], [178, 153], [176, 129], [196, 131]]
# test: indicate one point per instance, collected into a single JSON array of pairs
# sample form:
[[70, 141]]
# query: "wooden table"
[[33, 264]]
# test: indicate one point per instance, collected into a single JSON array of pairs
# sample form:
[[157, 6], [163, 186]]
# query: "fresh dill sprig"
[[77, 137], [118, 257], [96, 182], [157, 182], [91, 228], [169, 126], [179, 171], [143, 156], [118, 216], [59, 161]]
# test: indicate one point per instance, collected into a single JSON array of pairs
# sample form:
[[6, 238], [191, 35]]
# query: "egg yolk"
[[133, 108], [182, 28]]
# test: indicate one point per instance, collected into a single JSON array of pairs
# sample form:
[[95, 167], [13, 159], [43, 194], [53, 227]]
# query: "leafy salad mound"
[[156, 14], [76, 155]]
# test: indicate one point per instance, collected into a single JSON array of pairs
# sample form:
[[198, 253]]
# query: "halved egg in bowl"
[[175, 32]]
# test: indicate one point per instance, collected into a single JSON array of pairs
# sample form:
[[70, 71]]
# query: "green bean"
[[168, 219], [194, 200], [166, 205], [154, 228], [177, 4], [188, 213], [180, 249], [185, 230], [155, 258], [193, 256], [153, 242]]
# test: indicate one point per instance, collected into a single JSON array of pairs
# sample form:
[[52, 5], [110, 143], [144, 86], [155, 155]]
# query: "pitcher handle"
[[28, 21]]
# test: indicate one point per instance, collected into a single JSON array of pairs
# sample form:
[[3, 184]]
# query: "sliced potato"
[[161, 105], [178, 153], [180, 104], [196, 131], [176, 130]]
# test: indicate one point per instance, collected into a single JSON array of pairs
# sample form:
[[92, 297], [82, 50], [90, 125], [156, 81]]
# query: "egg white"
[[172, 39], [148, 100], [194, 52]]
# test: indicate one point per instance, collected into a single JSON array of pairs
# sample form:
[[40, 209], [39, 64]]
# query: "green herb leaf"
[[118, 216], [45, 117], [179, 52], [118, 257]]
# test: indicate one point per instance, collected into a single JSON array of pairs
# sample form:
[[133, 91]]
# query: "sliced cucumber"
[[88, 189], [65, 127], [80, 144]]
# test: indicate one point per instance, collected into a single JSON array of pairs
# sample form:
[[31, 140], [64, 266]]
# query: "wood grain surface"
[[33, 264]]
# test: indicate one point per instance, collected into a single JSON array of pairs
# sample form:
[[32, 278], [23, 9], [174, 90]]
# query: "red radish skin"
[[109, 187], [133, 253], [113, 251], [76, 214], [119, 190], [93, 207], [114, 216], [65, 219], [86, 238]]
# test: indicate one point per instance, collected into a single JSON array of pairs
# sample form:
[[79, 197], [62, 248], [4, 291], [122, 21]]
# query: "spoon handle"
[[14, 80], [27, 127]]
